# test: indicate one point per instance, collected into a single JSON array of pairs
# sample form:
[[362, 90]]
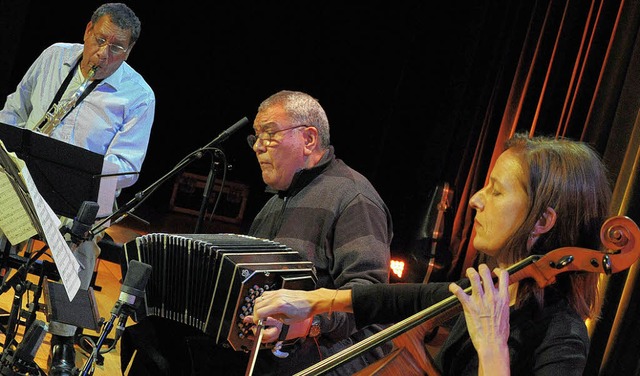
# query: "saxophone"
[[58, 111]]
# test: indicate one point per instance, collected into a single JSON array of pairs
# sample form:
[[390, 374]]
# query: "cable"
[[221, 154]]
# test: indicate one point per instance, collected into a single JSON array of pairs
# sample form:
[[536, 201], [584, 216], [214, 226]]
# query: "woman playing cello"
[[542, 194]]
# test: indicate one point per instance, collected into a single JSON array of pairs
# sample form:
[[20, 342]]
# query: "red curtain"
[[577, 76]]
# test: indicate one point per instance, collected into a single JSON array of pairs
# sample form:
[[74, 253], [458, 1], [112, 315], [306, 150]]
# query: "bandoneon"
[[210, 281]]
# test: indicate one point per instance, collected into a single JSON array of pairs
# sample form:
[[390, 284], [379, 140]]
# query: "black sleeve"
[[384, 303]]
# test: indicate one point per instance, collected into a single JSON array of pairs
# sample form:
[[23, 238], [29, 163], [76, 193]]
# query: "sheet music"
[[66, 263], [17, 209], [14, 222]]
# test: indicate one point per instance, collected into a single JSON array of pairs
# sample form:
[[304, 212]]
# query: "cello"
[[619, 235]]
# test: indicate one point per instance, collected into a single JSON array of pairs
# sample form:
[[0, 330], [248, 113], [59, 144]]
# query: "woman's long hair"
[[569, 177]]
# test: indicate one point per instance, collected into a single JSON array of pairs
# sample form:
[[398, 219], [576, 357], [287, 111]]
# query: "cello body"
[[409, 356]]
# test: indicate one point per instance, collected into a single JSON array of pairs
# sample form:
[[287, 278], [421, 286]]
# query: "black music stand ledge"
[[65, 174]]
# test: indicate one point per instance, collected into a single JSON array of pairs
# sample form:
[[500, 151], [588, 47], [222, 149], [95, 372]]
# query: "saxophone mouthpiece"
[[93, 70]]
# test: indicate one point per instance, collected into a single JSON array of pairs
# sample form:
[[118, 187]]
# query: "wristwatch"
[[314, 331]]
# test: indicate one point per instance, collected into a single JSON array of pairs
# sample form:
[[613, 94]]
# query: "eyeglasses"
[[267, 137], [113, 48]]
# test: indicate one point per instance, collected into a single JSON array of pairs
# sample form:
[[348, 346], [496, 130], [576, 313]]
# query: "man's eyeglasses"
[[113, 48], [267, 137]]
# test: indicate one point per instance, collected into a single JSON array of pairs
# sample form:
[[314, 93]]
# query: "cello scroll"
[[619, 237]]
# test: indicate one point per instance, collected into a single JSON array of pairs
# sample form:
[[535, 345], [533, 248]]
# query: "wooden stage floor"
[[109, 281]]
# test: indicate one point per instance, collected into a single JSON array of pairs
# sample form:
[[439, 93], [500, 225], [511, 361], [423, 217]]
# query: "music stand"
[[22, 212], [26, 213], [65, 174]]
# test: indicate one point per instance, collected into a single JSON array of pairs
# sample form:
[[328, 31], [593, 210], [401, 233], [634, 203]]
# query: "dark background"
[[416, 93], [398, 80]]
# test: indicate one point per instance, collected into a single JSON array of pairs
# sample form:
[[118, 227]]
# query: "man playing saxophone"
[[88, 96]]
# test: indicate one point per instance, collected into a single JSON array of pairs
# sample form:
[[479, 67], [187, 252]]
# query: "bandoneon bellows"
[[210, 281]]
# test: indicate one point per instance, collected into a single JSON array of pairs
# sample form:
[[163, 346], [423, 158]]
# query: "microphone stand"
[[20, 284], [209, 187], [120, 309], [205, 196], [139, 197]]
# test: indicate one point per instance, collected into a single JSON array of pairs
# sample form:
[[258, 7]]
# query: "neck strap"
[[64, 86]]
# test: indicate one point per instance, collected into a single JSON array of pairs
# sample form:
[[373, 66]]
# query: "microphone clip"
[[121, 309], [76, 239], [80, 230]]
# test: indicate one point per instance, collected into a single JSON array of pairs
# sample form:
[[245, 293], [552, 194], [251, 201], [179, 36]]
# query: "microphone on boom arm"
[[80, 230], [227, 132], [133, 288], [131, 294], [139, 197]]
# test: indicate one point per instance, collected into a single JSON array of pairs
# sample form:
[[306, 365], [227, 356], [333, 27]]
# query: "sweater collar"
[[303, 177]]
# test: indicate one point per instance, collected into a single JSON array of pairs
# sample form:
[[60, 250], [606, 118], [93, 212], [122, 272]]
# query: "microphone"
[[132, 290], [83, 221], [228, 132]]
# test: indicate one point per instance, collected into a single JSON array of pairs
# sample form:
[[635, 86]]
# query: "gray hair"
[[122, 16], [302, 109]]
